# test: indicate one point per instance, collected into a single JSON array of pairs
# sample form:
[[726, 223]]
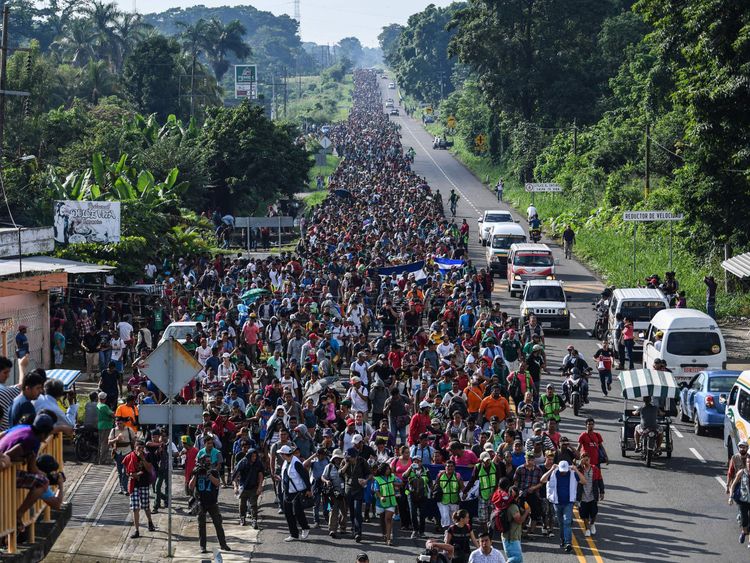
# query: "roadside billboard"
[[87, 221]]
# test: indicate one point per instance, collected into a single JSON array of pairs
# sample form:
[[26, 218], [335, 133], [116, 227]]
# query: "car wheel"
[[697, 428], [683, 415]]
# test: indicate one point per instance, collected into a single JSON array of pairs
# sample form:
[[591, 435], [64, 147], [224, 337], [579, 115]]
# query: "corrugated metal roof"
[[49, 264], [738, 265]]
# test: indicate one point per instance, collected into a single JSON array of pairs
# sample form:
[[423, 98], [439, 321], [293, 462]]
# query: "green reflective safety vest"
[[487, 482], [549, 406], [387, 491], [449, 488]]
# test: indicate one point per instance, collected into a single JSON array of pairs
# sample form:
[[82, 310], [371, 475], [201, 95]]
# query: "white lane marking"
[[572, 316], [581, 325], [721, 482], [696, 454], [679, 434], [452, 183]]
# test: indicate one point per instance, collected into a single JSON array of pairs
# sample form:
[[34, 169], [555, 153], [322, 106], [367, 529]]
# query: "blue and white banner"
[[416, 268], [445, 265]]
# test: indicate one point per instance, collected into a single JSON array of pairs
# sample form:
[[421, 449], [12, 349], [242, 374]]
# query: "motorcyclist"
[[574, 360], [649, 421], [531, 213], [575, 376]]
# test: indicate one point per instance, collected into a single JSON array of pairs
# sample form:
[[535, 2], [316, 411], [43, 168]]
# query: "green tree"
[[388, 40], [252, 160], [151, 76], [220, 41], [351, 48]]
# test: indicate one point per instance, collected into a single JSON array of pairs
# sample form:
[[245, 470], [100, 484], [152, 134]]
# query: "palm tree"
[[104, 17], [76, 46], [193, 37], [221, 40], [129, 30], [97, 81]]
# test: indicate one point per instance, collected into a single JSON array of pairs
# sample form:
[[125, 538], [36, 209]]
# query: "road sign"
[[428, 110], [159, 414], [543, 188], [245, 81], [271, 222], [325, 142], [170, 367], [451, 122], [648, 216], [480, 140]]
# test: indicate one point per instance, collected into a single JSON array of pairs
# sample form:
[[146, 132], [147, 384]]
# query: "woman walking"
[[384, 488], [461, 537], [589, 494], [447, 486], [740, 493]]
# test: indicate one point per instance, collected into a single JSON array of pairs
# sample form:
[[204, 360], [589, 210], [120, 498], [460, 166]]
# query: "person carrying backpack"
[[508, 518]]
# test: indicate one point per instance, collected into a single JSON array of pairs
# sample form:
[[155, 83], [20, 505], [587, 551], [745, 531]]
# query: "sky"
[[323, 21]]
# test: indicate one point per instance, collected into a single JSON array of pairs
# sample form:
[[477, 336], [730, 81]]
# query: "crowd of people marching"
[[362, 378]]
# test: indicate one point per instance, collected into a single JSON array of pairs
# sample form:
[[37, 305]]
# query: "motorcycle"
[[601, 324], [535, 235], [649, 445], [573, 391], [85, 443]]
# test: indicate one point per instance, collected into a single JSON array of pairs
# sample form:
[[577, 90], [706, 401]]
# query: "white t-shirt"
[[358, 403], [117, 345], [126, 330], [150, 270], [203, 354], [495, 556], [444, 350]]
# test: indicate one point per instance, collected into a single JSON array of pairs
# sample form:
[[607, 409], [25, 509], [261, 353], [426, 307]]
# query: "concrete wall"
[[33, 241], [30, 309]]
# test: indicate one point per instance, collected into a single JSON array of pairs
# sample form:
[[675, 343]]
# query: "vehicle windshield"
[[178, 332], [641, 311], [721, 384], [545, 293], [498, 218], [504, 241], [693, 343], [533, 260]]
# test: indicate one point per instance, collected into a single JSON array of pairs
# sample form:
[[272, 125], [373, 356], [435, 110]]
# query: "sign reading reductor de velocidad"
[[652, 216]]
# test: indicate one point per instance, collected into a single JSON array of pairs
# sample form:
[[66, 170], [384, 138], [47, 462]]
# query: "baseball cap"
[[286, 450], [537, 348], [538, 426], [357, 439], [563, 466], [529, 455], [424, 405], [488, 447], [352, 452], [43, 423], [225, 355], [485, 456]]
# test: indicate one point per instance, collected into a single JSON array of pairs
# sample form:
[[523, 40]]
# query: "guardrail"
[[11, 498]]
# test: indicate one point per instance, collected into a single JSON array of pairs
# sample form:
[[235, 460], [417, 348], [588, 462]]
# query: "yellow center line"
[[577, 550], [589, 540]]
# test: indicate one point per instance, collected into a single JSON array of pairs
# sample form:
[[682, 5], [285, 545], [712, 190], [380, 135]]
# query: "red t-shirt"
[[590, 443]]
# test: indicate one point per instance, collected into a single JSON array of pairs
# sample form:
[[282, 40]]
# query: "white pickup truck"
[[488, 220]]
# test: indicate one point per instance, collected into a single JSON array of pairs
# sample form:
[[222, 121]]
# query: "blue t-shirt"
[[563, 487]]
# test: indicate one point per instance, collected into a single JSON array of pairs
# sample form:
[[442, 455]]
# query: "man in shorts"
[[139, 471]]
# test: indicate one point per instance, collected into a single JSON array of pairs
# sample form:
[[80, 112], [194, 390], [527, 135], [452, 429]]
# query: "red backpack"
[[500, 519]]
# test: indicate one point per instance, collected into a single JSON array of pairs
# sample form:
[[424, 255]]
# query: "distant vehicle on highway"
[[489, 219], [737, 421], [639, 304], [428, 119], [527, 261], [441, 143], [325, 129], [499, 241], [391, 85], [389, 103], [384, 77], [546, 300], [703, 398], [394, 111]]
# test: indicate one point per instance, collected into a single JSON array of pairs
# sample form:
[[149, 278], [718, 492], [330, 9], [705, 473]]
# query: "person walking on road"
[[356, 473], [569, 239], [139, 472], [295, 483], [562, 485], [740, 493], [628, 339], [499, 189], [249, 474], [589, 495], [206, 484]]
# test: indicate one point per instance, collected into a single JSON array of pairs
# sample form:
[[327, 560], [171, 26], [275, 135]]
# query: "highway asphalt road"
[[674, 511]]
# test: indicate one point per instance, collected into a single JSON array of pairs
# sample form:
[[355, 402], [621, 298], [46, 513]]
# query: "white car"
[[391, 86], [546, 300], [491, 218], [389, 104], [179, 331]]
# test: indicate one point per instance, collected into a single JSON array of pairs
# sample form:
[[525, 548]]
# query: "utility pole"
[[575, 138], [648, 158], [3, 78], [285, 92], [299, 87], [273, 96], [192, 87]]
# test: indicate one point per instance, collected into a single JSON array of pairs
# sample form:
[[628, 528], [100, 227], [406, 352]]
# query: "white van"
[[528, 262], [737, 410], [692, 342], [639, 304], [501, 238]]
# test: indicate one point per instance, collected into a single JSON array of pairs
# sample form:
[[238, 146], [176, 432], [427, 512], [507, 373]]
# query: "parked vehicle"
[[394, 111], [737, 410], [178, 331], [639, 304], [501, 238], [441, 143], [691, 342], [527, 261], [703, 398], [546, 300], [489, 220]]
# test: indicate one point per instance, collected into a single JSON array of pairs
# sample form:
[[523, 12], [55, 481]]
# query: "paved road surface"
[[674, 511]]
